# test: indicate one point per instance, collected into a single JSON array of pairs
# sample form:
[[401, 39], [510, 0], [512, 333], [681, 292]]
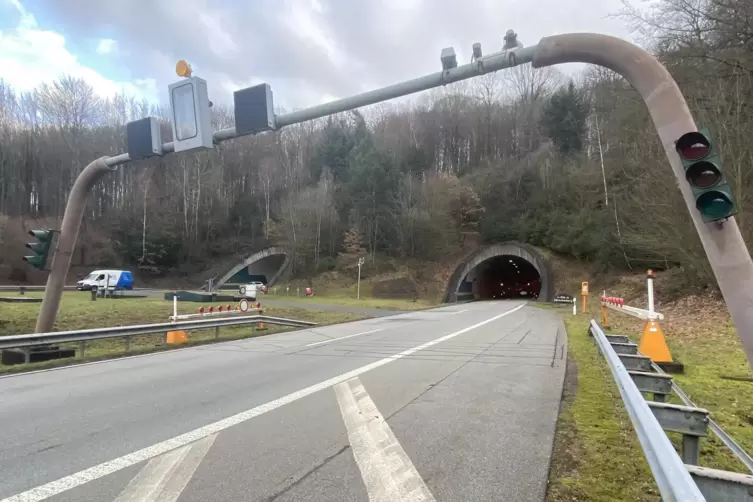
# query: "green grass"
[[77, 311], [597, 456], [711, 352], [351, 301]]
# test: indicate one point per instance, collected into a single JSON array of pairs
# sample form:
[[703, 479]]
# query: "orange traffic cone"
[[260, 327], [653, 343]]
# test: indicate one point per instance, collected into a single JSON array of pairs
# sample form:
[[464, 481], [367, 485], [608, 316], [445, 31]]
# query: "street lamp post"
[[358, 287]]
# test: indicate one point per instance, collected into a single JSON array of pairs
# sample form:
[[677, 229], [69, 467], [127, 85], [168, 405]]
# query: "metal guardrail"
[[31, 288], [672, 477], [23, 287], [725, 438], [36, 339]]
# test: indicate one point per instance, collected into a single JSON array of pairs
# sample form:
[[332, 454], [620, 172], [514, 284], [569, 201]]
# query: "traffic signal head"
[[41, 249], [704, 173]]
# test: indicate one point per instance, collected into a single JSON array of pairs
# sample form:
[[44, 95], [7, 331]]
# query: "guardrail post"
[[127, 343], [27, 354], [691, 449], [216, 332], [82, 347], [21, 290]]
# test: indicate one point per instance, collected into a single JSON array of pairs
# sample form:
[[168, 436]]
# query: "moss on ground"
[[596, 456]]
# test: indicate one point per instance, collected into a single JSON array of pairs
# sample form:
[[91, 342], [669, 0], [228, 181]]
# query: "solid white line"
[[98, 471], [387, 471], [344, 337], [459, 311], [164, 477]]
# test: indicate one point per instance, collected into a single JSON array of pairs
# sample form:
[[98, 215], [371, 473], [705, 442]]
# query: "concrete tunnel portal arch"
[[502, 271], [267, 266]]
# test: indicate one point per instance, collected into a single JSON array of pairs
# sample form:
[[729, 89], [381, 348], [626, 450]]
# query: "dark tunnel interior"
[[262, 270], [503, 277]]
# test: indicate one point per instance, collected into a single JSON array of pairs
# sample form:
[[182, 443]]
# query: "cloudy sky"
[[309, 51]]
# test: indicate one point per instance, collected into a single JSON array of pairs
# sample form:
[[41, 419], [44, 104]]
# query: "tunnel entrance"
[[262, 270], [504, 277], [502, 271], [266, 266]]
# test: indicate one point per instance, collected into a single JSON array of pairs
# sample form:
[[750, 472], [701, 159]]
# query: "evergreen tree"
[[564, 119]]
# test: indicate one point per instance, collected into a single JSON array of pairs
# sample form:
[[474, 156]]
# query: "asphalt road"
[[452, 404]]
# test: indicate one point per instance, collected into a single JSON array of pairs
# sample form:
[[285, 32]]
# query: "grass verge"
[[77, 311], [364, 303], [596, 454]]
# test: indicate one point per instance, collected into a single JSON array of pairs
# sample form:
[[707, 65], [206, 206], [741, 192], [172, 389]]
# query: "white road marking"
[[459, 311], [105, 468], [164, 477], [343, 337], [387, 471]]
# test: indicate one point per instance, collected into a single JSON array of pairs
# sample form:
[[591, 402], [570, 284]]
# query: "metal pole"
[[66, 241], [650, 281], [92, 172], [358, 288], [724, 246]]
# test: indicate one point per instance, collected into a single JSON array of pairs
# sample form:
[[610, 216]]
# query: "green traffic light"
[[41, 248], [715, 205], [702, 163]]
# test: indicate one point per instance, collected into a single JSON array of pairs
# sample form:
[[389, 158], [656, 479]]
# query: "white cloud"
[[30, 56], [106, 46]]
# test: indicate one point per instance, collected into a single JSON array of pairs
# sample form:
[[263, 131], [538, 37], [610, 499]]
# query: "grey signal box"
[[190, 115], [254, 110], [143, 138]]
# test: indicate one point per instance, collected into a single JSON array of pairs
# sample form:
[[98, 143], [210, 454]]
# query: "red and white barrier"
[[618, 304], [242, 307]]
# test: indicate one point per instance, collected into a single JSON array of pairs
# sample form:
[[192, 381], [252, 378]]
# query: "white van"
[[112, 280], [250, 290]]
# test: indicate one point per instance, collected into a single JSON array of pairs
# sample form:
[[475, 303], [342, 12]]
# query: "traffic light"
[[41, 249], [703, 170]]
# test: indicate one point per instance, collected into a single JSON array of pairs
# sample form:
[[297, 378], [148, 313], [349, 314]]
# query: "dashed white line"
[[387, 471], [101, 470], [343, 337]]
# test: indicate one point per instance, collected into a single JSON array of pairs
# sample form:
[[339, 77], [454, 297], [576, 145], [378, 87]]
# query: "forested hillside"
[[573, 165]]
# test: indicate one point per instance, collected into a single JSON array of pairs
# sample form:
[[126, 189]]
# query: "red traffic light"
[[693, 146]]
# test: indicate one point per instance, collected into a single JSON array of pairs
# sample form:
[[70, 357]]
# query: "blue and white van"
[[112, 280]]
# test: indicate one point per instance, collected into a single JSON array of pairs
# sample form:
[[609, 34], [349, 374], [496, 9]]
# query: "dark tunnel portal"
[[263, 270], [505, 277]]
